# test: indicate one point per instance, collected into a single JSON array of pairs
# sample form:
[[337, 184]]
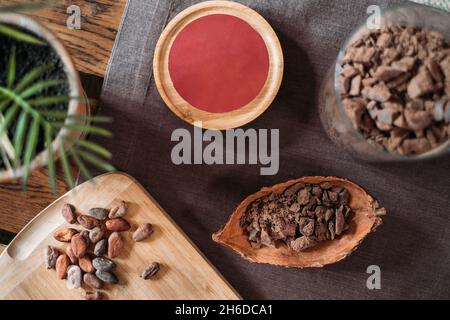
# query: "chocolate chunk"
[[303, 243], [303, 196], [417, 120], [355, 86], [340, 220], [306, 226], [385, 73], [320, 231], [380, 92], [421, 84], [405, 64]]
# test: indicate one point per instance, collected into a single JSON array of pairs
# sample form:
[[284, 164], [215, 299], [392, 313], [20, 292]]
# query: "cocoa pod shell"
[[65, 235], [143, 232], [115, 245], [117, 225], [68, 213], [363, 222]]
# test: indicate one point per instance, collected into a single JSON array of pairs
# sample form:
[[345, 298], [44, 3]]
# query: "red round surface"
[[218, 63]]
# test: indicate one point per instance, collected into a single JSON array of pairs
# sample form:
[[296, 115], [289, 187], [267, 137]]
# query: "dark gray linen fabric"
[[412, 248]]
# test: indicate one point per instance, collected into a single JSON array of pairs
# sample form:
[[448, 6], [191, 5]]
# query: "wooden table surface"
[[90, 48]]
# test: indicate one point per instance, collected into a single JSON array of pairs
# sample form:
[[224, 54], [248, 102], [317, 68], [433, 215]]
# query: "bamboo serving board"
[[185, 273]]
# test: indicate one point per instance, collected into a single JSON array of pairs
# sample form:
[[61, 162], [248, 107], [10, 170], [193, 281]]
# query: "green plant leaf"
[[9, 116], [31, 76], [51, 161], [12, 68], [97, 119], [65, 165], [19, 137], [38, 87], [83, 169], [30, 149], [47, 101], [94, 148], [84, 128], [19, 35], [96, 161]]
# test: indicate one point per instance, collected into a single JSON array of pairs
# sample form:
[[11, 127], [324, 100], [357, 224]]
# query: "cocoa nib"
[[395, 88], [301, 216]]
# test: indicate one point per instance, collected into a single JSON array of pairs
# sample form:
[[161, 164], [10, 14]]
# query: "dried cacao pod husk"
[[365, 219]]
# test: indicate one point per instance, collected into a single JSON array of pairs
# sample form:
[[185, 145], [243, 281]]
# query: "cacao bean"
[[85, 235], [143, 232], [96, 234], [99, 213], [115, 245], [79, 245], [107, 277], [69, 252], [88, 295], [103, 264], [85, 264], [62, 263], [65, 235], [117, 225], [88, 222], [150, 271], [101, 247], [118, 211], [68, 213], [51, 255], [73, 277], [92, 281]]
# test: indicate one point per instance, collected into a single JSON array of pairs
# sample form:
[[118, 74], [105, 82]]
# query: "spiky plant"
[[23, 103]]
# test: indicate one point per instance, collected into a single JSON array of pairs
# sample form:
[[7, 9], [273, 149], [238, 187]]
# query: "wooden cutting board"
[[185, 273]]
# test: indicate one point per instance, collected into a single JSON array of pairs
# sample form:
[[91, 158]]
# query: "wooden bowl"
[[237, 115]]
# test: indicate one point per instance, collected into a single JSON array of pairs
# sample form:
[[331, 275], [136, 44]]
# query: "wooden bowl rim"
[[225, 120]]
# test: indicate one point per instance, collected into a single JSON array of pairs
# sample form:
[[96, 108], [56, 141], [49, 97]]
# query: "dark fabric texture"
[[412, 247]]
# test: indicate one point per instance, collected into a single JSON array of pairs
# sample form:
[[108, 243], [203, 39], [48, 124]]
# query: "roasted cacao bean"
[[69, 252], [85, 264], [115, 245], [88, 222], [51, 255], [101, 247], [65, 235], [79, 245], [143, 232], [96, 234], [62, 263], [92, 281], [103, 264], [99, 213], [73, 277], [117, 225], [68, 213], [85, 235], [107, 277], [118, 211], [89, 295], [150, 271]]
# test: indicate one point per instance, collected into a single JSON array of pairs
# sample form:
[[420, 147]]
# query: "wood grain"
[[185, 273], [19, 206], [91, 46], [227, 120]]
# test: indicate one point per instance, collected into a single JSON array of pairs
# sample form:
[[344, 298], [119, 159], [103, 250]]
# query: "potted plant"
[[44, 116]]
